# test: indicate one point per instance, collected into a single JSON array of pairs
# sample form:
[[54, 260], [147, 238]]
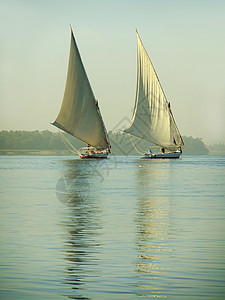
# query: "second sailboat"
[[152, 118]]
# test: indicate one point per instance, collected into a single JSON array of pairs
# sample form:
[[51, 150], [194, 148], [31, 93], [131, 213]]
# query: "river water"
[[121, 228]]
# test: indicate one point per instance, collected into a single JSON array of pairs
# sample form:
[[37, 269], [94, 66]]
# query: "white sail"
[[79, 114], [152, 117]]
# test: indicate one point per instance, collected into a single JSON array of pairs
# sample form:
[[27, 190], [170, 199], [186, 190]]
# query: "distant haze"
[[184, 39]]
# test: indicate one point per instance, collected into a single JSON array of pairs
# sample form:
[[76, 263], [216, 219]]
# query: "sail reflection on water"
[[153, 226], [82, 225], [73, 185]]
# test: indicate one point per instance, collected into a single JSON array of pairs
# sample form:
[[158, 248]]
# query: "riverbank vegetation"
[[51, 143]]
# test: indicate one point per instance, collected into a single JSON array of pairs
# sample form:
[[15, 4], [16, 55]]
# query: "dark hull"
[[172, 155]]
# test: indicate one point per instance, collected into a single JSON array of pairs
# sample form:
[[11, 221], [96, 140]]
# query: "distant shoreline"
[[67, 153], [35, 152], [49, 143]]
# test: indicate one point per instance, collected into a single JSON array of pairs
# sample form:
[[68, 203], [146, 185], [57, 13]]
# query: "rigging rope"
[[67, 142], [133, 143]]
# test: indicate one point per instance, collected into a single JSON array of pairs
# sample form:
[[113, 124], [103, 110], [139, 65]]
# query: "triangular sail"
[[79, 114], [152, 117]]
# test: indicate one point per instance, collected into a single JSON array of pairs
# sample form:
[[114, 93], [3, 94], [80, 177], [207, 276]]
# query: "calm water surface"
[[122, 228]]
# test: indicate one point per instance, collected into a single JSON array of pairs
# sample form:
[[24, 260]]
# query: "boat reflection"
[[153, 226], [82, 224]]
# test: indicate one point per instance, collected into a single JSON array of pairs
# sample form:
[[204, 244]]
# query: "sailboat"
[[80, 114], [152, 118]]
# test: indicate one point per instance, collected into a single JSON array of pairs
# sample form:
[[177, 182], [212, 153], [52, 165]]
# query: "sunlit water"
[[122, 228]]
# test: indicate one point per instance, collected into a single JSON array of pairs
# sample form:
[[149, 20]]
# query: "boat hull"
[[92, 153], [170, 155], [94, 156]]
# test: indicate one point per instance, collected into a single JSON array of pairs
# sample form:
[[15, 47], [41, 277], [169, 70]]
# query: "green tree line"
[[122, 144]]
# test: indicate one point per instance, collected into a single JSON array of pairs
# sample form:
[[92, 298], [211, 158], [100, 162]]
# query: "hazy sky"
[[185, 40]]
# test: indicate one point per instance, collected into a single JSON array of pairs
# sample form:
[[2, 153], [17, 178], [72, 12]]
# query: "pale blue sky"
[[185, 40]]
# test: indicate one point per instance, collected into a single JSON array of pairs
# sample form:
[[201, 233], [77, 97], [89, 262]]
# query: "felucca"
[[79, 114], [152, 116]]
